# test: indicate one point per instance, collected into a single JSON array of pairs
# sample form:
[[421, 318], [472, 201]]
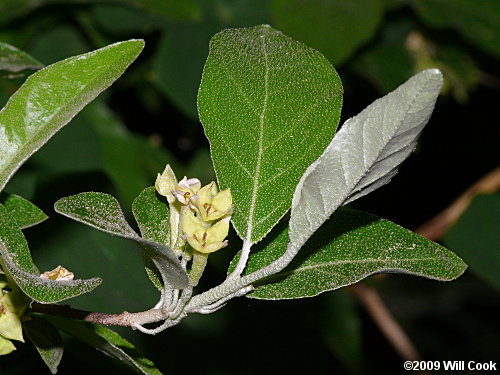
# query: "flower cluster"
[[206, 214], [12, 306]]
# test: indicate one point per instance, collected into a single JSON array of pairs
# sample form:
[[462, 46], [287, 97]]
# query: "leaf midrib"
[[260, 149], [318, 267]]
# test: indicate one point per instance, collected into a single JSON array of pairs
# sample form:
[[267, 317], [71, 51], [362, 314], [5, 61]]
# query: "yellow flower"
[[212, 204], [165, 183], [201, 236], [186, 189], [12, 306]]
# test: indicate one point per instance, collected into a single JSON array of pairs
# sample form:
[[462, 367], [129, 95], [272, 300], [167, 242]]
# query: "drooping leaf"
[[51, 97], [269, 106], [475, 237], [103, 212], [46, 339], [152, 215], [340, 26], [347, 248], [14, 60], [25, 213], [106, 341], [364, 154], [18, 262]]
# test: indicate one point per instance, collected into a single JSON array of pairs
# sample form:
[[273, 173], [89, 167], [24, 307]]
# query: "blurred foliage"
[[149, 118], [476, 237]]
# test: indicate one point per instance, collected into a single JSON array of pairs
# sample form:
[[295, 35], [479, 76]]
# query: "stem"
[[437, 227], [197, 268], [123, 319], [230, 286]]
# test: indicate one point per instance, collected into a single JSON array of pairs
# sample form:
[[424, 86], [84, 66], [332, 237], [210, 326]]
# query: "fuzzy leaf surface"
[[152, 215], [107, 341], [51, 97], [347, 248], [17, 259], [269, 106], [103, 212], [364, 154], [47, 341], [25, 213]]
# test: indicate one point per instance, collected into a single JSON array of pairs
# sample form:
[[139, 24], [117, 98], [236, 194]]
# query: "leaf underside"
[[364, 154]]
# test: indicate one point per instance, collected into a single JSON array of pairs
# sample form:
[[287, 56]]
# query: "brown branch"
[[391, 329], [437, 227], [123, 319]]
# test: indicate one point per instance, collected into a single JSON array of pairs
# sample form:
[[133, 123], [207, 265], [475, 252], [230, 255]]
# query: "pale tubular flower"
[[202, 238], [212, 204], [185, 189], [59, 274], [165, 183]]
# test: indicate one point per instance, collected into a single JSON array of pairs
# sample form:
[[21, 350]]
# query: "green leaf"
[[269, 106], [17, 261], [475, 237], [108, 342], [477, 21], [14, 60], [46, 339], [103, 212], [152, 215], [25, 213], [51, 97], [364, 154], [347, 248], [340, 26]]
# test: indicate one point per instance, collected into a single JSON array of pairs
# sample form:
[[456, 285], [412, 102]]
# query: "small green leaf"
[[108, 342], [51, 97], [103, 212], [25, 213], [17, 260], [475, 237], [14, 60], [46, 339], [340, 26], [269, 106], [364, 155], [152, 215], [347, 248]]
